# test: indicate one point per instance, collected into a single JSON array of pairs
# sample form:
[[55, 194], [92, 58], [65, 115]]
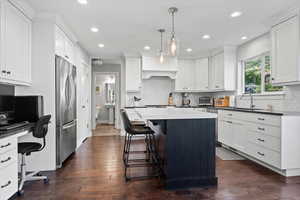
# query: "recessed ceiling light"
[[101, 45], [206, 37], [244, 38], [236, 14], [147, 48], [94, 29], [189, 50], [83, 2]]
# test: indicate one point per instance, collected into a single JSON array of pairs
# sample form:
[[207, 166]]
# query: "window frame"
[[263, 92]]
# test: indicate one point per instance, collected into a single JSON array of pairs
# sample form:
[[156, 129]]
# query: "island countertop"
[[144, 114]]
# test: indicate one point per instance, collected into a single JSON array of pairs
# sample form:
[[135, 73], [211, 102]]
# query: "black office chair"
[[151, 160], [26, 148]]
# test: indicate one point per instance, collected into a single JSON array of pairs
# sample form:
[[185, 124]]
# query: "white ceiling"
[[127, 26]]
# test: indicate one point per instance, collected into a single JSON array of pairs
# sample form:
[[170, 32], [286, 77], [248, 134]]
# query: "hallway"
[[105, 130], [95, 172]]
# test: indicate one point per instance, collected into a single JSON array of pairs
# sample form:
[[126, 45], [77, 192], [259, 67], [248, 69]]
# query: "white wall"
[[43, 83], [288, 101]]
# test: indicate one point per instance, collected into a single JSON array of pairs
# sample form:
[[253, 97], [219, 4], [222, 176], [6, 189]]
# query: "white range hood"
[[151, 67]]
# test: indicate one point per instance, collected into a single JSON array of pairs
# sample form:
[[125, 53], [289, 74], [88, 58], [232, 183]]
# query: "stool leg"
[[125, 146], [23, 174], [127, 157]]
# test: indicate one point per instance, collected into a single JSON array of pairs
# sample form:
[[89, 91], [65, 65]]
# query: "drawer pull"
[[261, 129], [3, 146], [229, 114], [261, 140], [230, 122], [261, 119], [261, 154], [6, 160], [7, 184]]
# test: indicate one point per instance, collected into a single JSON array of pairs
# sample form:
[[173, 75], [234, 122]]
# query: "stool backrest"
[[41, 127], [126, 121]]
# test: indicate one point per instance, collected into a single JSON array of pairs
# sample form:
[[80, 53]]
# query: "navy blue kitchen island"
[[186, 144]]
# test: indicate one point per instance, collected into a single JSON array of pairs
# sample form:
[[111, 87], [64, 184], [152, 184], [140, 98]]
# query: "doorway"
[[106, 103]]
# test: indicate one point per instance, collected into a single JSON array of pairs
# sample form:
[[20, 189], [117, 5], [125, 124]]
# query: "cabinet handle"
[[261, 154], [3, 146], [261, 129], [261, 119], [66, 56], [261, 140], [230, 122], [229, 114], [4, 71], [6, 160], [7, 184], [8, 72]]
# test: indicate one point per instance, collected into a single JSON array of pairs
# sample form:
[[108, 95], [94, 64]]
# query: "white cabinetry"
[[185, 75], [201, 74], [8, 167], [133, 74], [15, 45], [63, 45], [192, 75], [268, 139], [223, 70], [286, 52]]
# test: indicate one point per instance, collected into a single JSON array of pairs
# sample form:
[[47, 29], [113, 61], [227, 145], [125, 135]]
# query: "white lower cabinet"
[[269, 139], [8, 167]]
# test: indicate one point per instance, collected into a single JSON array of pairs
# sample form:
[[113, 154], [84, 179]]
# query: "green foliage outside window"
[[257, 75]]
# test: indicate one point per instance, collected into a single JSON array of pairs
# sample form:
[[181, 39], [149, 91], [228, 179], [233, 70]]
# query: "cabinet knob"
[[66, 56], [7, 184], [273, 78], [4, 71], [8, 72]]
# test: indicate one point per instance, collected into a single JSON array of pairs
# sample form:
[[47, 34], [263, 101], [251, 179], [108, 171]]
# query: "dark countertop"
[[4, 134]]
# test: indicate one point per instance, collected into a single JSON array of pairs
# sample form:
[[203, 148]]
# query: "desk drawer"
[[8, 181], [8, 158], [7, 144]]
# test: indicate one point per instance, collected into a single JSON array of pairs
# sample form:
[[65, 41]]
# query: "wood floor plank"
[[96, 170]]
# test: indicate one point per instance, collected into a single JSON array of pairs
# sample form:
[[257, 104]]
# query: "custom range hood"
[[151, 67]]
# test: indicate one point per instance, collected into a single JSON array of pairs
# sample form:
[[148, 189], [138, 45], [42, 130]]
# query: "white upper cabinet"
[[201, 74], [185, 75], [15, 45], [64, 46], [133, 74], [223, 70], [192, 75], [285, 52]]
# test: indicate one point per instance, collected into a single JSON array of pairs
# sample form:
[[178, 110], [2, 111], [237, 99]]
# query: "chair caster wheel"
[[46, 181], [20, 192]]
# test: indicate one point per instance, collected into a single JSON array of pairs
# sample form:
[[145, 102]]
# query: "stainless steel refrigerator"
[[65, 83]]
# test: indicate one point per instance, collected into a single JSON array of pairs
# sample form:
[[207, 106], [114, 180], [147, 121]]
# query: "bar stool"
[[152, 158]]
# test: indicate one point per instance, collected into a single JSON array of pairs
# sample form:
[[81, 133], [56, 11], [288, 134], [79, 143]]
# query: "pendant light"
[[161, 52], [173, 42]]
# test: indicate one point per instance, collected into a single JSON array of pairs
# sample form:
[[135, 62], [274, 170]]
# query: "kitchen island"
[[186, 144]]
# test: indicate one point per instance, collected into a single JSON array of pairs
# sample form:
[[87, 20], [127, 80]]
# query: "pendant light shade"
[[161, 51], [174, 43]]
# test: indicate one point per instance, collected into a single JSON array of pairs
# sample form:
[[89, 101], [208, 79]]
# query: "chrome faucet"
[[252, 106]]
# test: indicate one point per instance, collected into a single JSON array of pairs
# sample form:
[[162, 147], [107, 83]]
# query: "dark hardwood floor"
[[96, 172]]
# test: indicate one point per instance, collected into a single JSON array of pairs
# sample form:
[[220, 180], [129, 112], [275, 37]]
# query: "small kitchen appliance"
[[206, 101]]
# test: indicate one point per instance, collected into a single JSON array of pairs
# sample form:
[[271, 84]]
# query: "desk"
[[9, 162]]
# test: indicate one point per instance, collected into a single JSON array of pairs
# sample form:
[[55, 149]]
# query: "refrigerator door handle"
[[69, 125]]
